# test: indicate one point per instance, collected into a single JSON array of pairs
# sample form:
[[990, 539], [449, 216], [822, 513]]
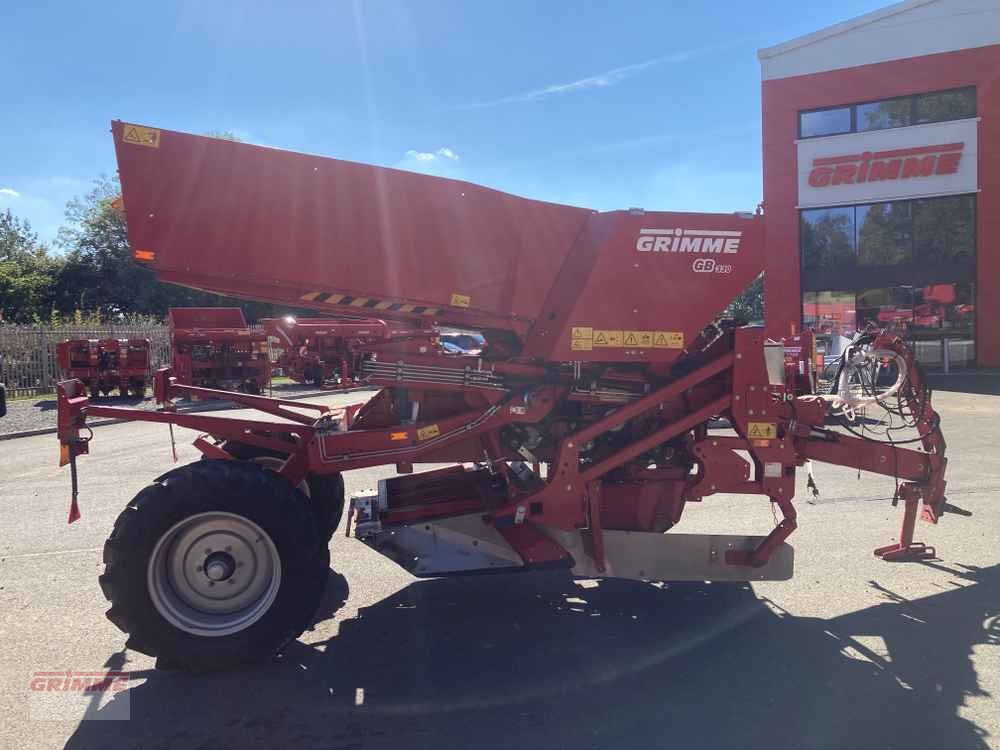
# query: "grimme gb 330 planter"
[[577, 437]]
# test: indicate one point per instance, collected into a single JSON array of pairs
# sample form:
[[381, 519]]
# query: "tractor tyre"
[[326, 491], [213, 565]]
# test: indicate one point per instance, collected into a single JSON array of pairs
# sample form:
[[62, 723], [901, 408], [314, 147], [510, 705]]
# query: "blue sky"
[[601, 104]]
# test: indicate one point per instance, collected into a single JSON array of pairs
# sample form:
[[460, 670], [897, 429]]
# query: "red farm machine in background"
[[329, 352], [213, 347], [105, 365], [590, 422]]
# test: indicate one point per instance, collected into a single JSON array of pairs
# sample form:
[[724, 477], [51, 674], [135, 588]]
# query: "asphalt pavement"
[[852, 653]]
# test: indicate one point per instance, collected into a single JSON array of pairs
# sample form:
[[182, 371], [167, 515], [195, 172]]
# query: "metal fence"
[[28, 353]]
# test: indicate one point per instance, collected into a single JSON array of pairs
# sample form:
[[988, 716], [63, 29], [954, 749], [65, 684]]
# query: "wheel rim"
[[214, 574]]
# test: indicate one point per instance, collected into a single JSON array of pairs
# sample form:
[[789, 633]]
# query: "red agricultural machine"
[[608, 396], [103, 365], [330, 351], [213, 347]]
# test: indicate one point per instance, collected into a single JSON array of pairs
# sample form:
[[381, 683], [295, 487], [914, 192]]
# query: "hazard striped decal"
[[368, 303]]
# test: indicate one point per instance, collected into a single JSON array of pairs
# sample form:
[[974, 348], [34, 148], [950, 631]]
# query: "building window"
[[885, 234], [916, 233], [958, 104], [937, 106], [825, 122], [828, 237], [891, 113], [945, 230], [937, 319]]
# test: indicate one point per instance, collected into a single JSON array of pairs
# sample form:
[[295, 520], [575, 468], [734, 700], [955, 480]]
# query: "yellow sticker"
[[461, 300], [426, 433], [643, 339], [762, 430], [607, 339], [581, 345], [141, 136], [668, 339], [583, 332]]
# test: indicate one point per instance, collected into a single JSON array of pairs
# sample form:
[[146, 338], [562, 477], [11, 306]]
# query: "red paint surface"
[[785, 97]]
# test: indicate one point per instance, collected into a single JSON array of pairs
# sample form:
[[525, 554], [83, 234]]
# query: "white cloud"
[[426, 156], [9, 193], [599, 80]]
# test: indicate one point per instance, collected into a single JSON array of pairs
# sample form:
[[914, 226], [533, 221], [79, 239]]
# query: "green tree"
[[749, 305], [27, 272]]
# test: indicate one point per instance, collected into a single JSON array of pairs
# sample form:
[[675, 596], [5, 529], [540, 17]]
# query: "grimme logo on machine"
[[688, 241], [895, 164]]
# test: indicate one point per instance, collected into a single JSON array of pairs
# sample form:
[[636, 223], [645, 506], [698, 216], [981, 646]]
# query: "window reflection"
[[885, 234], [937, 319], [892, 113], [828, 238], [825, 122]]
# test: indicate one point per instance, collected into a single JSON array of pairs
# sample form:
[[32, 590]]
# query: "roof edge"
[[843, 27]]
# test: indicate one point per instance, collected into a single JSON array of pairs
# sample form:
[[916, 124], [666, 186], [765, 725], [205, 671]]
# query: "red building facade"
[[881, 152]]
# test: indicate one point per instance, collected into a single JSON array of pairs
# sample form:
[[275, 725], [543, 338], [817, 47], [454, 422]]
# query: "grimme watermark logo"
[[74, 695]]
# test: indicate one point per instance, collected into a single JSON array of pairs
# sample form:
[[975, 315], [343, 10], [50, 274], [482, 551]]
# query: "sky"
[[647, 103]]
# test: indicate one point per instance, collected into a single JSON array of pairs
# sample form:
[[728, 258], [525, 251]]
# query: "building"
[[881, 151]]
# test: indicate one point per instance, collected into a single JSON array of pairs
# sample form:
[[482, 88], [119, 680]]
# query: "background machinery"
[[330, 351], [608, 396], [103, 365], [213, 347]]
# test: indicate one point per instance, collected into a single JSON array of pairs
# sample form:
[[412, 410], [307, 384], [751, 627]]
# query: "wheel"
[[325, 491], [215, 564], [317, 377]]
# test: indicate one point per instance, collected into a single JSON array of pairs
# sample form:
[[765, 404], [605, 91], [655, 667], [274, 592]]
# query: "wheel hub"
[[214, 574]]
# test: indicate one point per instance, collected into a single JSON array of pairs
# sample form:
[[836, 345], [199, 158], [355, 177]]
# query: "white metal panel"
[[821, 191], [907, 29]]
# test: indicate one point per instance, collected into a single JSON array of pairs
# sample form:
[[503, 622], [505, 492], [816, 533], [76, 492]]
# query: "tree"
[[27, 273], [749, 305]]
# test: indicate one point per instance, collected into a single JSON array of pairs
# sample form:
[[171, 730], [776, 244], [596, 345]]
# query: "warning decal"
[[607, 339], [668, 339], [585, 339], [461, 300], [642, 339], [765, 430], [141, 136], [426, 433]]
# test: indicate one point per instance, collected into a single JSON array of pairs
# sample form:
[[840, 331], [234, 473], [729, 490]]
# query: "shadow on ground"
[[539, 661]]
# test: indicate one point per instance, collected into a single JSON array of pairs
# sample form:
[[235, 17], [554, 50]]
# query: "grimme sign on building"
[[934, 159], [908, 162]]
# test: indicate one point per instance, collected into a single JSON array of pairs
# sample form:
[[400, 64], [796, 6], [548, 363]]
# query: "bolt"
[[229, 548], [715, 443], [208, 550], [750, 412], [569, 445], [239, 564], [211, 583], [736, 397], [199, 568], [569, 487], [232, 581]]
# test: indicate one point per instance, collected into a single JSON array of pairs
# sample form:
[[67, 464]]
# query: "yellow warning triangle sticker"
[[599, 339], [631, 340], [661, 340]]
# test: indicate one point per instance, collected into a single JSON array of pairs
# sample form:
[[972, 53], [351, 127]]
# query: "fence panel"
[[28, 353]]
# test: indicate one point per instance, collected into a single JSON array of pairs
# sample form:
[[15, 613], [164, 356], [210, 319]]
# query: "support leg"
[[906, 549], [772, 541]]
